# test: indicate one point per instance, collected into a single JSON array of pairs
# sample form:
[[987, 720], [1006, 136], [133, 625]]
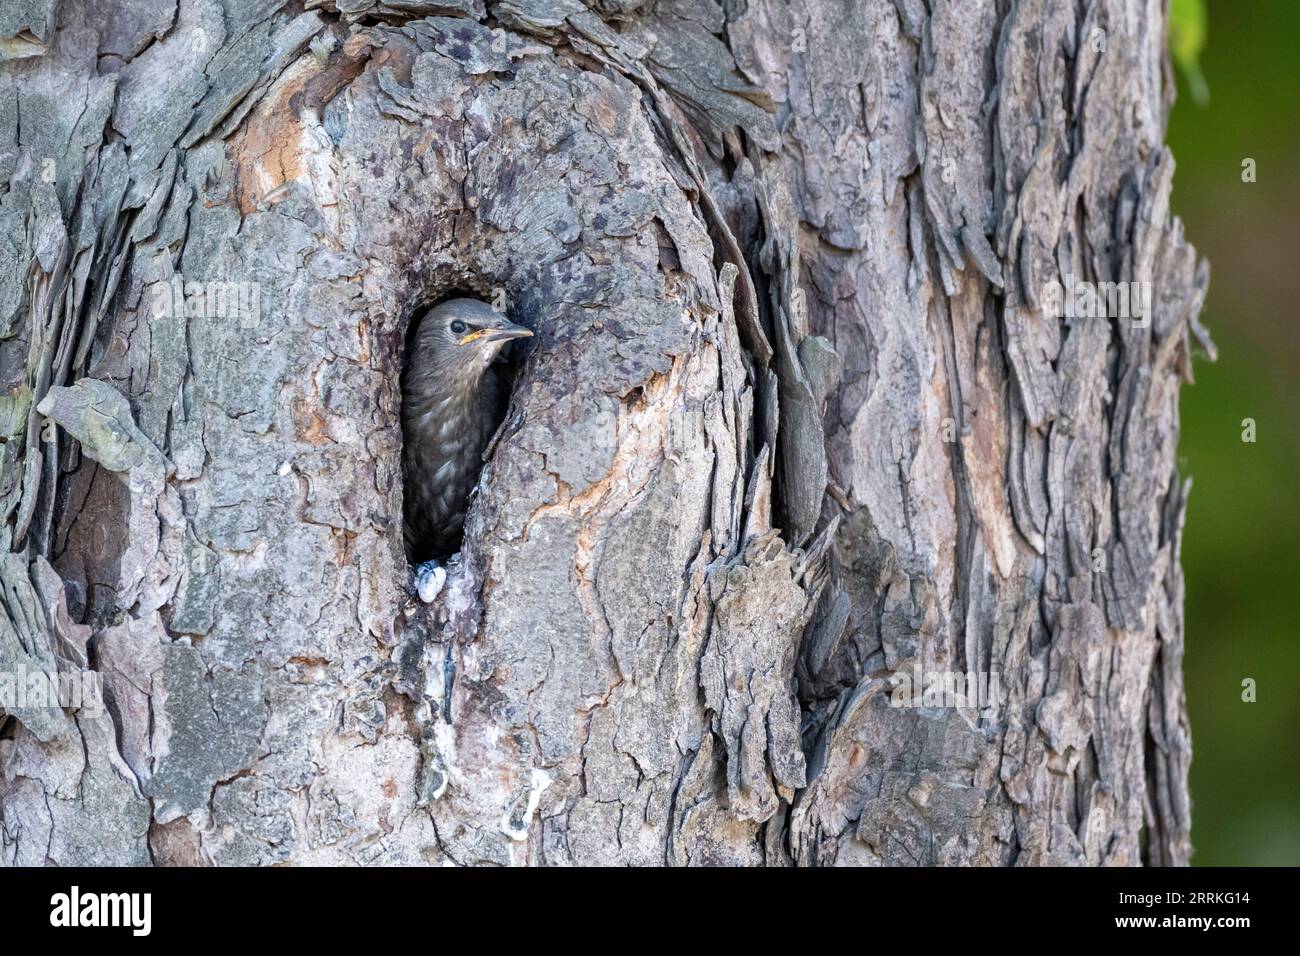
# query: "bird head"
[[461, 337]]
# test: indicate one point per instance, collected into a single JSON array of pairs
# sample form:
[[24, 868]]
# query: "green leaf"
[[1188, 27]]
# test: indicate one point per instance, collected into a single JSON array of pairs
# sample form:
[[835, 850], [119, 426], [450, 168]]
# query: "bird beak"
[[508, 331]]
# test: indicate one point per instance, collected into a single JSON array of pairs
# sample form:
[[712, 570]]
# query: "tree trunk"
[[799, 432]]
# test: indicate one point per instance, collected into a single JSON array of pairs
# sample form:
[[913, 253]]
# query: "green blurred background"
[[1239, 549]]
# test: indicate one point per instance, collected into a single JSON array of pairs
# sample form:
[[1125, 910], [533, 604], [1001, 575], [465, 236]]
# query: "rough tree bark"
[[795, 421]]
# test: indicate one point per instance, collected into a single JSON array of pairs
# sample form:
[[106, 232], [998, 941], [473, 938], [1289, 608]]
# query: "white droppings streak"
[[519, 832]]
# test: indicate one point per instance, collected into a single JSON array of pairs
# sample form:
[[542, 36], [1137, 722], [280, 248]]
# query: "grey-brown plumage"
[[452, 402]]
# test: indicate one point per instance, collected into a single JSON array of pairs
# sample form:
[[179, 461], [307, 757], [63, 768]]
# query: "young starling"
[[452, 402]]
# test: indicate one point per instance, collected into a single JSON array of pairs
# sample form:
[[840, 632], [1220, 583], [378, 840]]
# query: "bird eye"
[[458, 327]]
